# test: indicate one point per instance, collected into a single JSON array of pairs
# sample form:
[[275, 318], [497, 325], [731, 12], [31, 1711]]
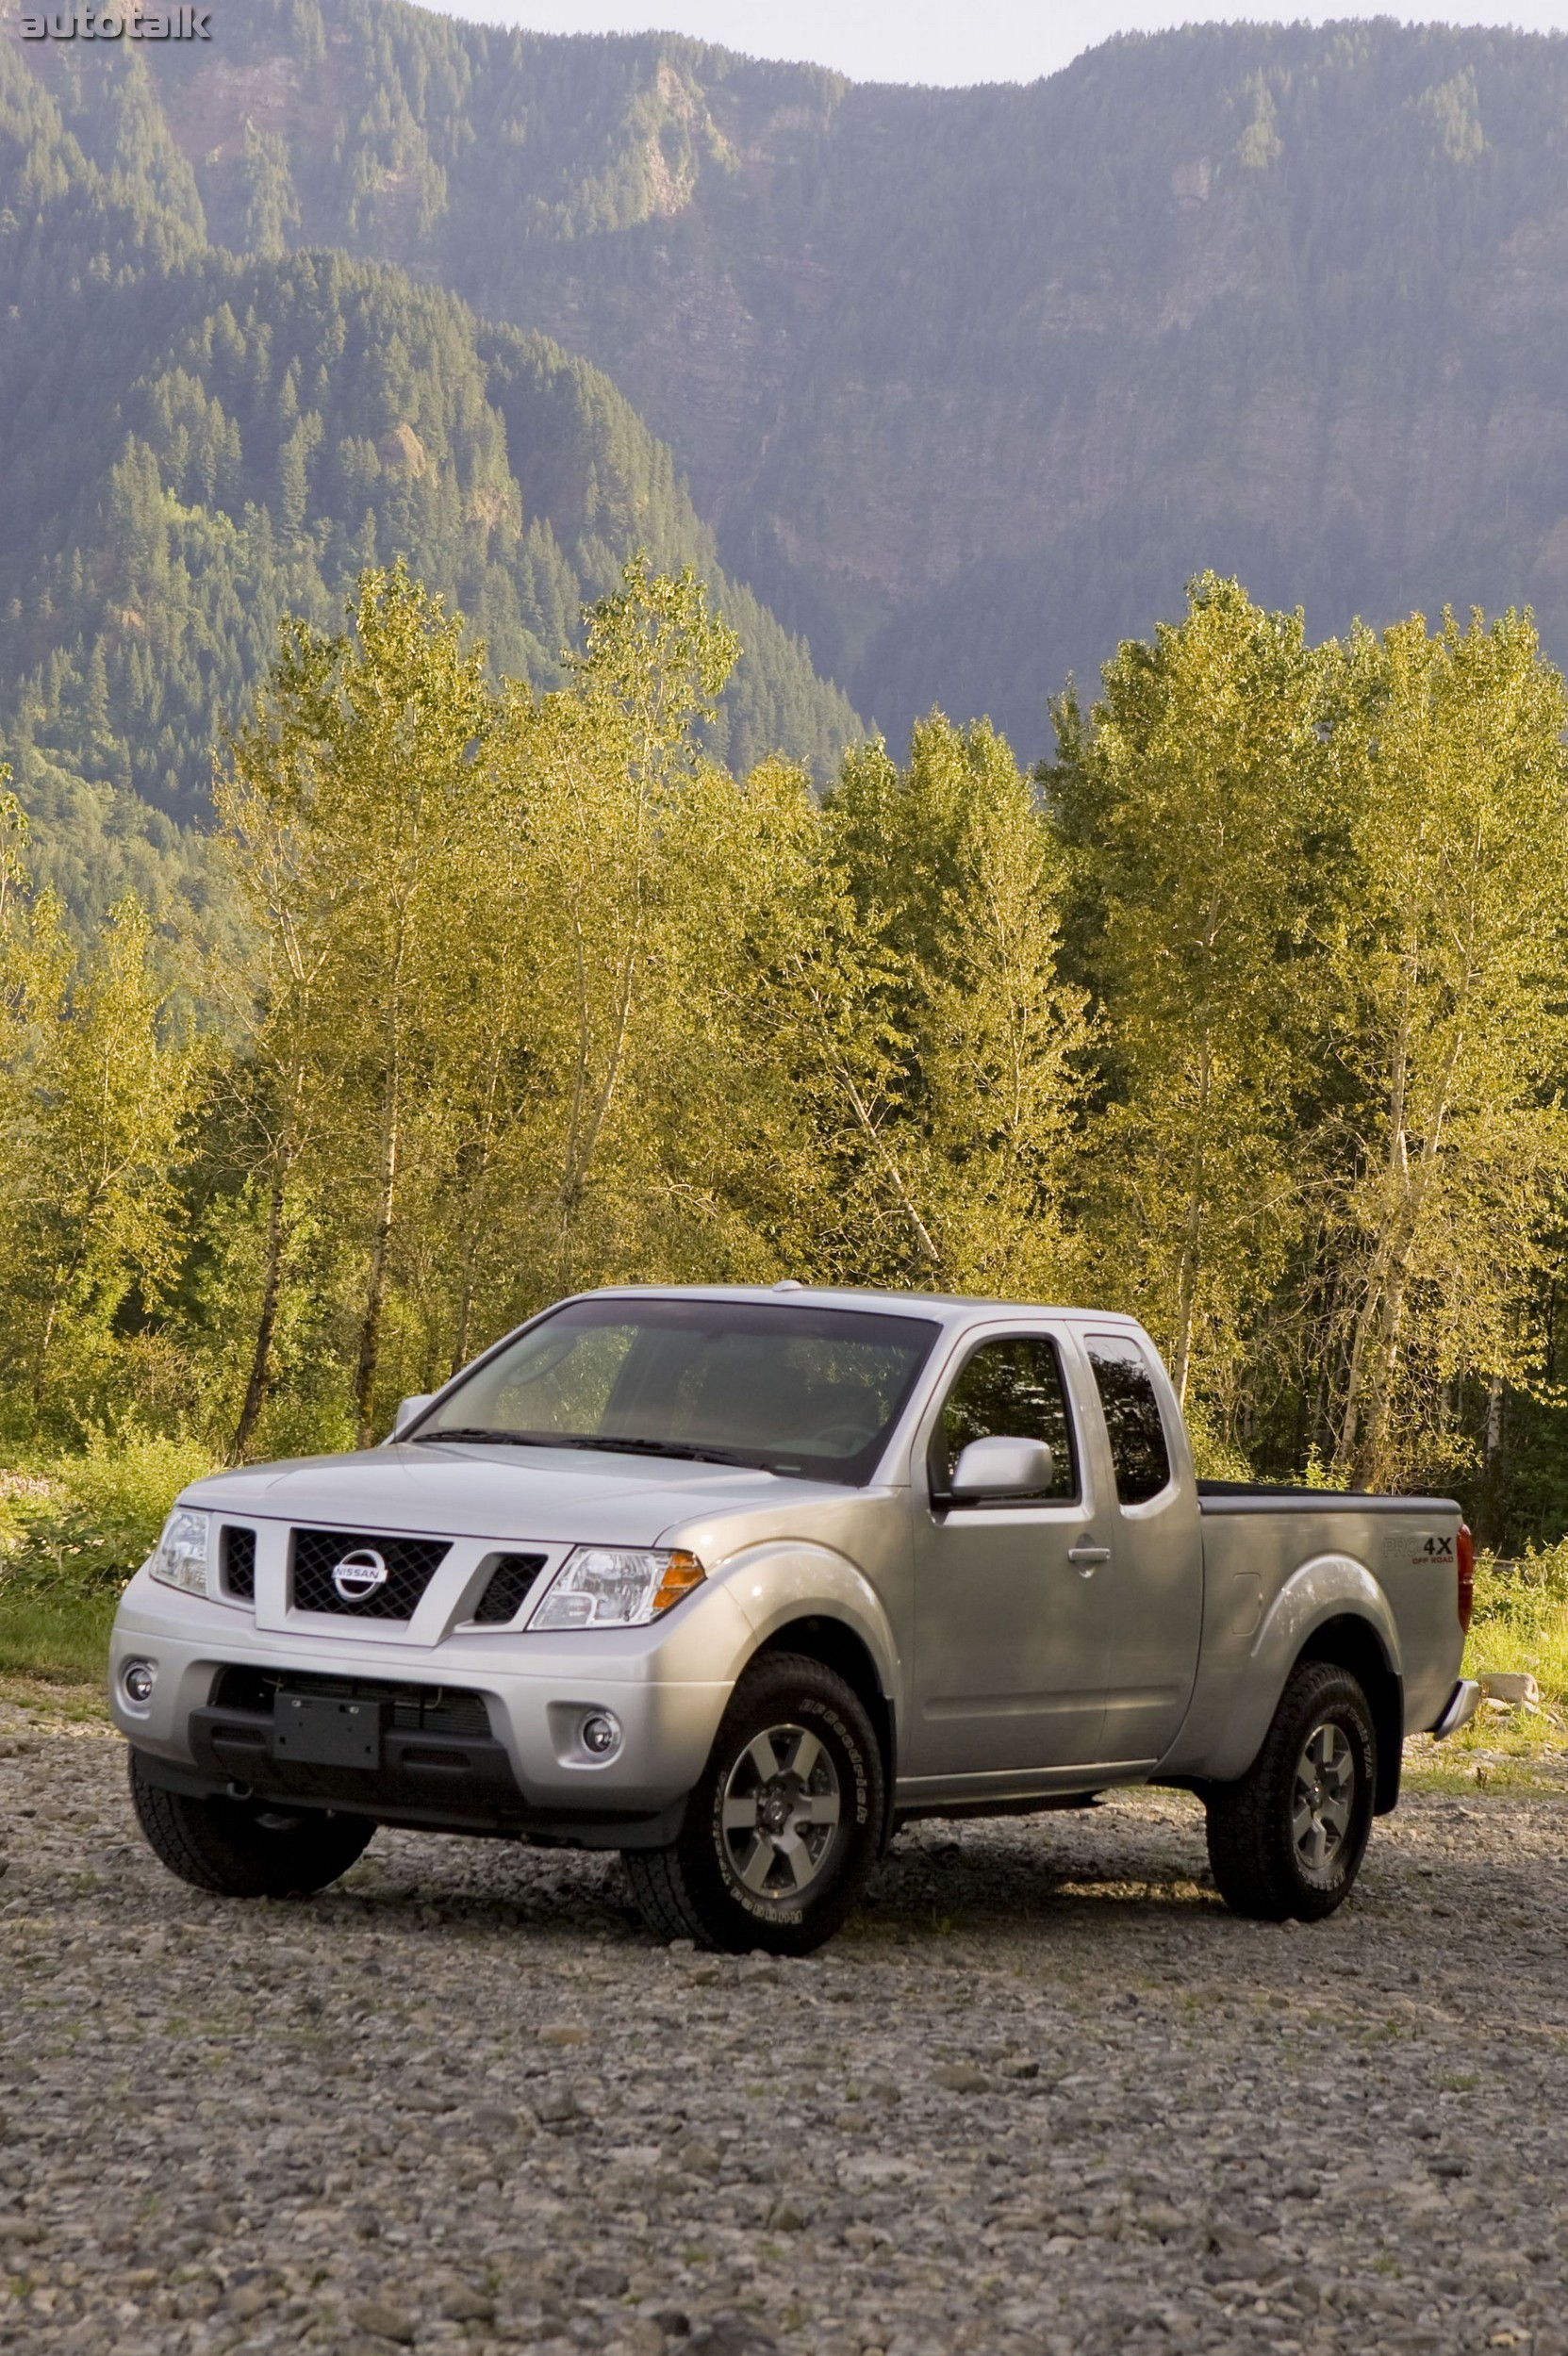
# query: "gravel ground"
[[1044, 2095]]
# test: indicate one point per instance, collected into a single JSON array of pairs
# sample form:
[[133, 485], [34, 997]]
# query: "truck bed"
[[1279, 1496], [1262, 1543]]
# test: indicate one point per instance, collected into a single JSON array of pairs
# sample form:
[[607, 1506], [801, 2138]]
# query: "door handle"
[[1086, 1557]]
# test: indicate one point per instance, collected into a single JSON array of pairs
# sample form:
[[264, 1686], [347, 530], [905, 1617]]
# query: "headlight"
[[179, 1558], [616, 1587]]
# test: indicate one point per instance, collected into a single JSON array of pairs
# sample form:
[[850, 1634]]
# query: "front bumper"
[[481, 1733], [460, 1786]]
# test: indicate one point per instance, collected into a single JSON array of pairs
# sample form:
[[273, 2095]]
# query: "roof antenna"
[[788, 1284]]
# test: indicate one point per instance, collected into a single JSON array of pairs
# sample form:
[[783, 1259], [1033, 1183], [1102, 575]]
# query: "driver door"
[[1012, 1637]]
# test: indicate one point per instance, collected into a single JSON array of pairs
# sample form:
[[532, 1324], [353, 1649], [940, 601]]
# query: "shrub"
[[1520, 1621], [86, 1527]]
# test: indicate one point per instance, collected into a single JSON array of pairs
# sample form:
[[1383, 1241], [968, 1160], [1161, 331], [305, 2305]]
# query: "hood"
[[555, 1495]]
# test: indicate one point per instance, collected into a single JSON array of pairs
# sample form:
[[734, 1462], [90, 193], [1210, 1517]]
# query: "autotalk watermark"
[[134, 22]]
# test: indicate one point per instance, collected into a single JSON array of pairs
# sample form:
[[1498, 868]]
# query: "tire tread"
[[666, 1882], [203, 1842], [661, 1894], [1251, 1867]]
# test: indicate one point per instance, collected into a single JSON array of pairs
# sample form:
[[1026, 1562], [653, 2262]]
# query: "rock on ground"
[[1044, 2096]]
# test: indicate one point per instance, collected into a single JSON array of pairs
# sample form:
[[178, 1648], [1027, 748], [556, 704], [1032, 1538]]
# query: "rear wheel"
[[1288, 1839], [244, 1849], [785, 1825]]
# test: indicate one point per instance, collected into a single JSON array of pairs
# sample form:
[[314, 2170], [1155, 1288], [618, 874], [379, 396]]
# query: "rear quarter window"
[[1132, 1421]]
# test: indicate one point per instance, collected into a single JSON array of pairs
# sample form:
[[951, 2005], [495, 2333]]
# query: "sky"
[[945, 41]]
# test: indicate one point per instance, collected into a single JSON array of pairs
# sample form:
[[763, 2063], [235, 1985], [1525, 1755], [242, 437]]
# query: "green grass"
[[73, 1528], [47, 1702], [1491, 1770], [1521, 1622], [55, 1638]]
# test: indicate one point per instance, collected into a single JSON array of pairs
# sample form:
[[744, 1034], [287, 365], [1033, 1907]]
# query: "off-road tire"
[[242, 1849], [691, 1890], [1257, 1859]]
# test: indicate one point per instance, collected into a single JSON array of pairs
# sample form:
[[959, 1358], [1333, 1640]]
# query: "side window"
[[1132, 1406], [1009, 1389]]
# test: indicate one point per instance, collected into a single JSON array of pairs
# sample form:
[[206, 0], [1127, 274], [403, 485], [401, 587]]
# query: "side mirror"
[[1002, 1468], [414, 1404]]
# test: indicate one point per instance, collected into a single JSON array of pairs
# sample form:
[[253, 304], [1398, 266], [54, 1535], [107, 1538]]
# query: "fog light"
[[138, 1678], [601, 1734]]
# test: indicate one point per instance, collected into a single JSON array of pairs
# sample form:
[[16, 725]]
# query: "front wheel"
[[783, 1827], [244, 1849], [1288, 1839]]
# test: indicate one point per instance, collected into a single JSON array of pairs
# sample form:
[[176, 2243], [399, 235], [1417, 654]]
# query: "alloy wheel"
[[779, 1814], [1323, 1802]]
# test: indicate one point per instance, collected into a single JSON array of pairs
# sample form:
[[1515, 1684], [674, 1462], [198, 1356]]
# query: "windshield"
[[808, 1392]]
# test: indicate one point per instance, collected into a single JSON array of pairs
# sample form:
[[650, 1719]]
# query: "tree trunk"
[[58, 1292], [924, 1242], [1352, 1447], [479, 1199], [1186, 1288], [1368, 1463], [1490, 1499], [586, 1123], [375, 1290], [261, 1380], [46, 1337]]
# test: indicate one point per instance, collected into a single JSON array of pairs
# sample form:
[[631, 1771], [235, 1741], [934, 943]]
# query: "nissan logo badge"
[[359, 1575]]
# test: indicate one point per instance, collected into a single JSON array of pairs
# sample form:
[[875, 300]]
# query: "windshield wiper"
[[482, 1434], [479, 1432], [612, 1445]]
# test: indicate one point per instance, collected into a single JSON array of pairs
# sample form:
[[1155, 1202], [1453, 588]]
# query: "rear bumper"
[[1459, 1709]]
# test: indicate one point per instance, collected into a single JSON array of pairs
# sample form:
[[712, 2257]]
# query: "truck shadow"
[[1013, 1871], [934, 1879], [1136, 1867]]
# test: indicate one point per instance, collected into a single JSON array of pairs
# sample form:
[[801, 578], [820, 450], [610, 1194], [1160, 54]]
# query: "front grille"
[[430, 1709], [507, 1588], [237, 1559], [411, 1564]]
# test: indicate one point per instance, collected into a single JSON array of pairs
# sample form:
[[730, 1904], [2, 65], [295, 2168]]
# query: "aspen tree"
[[1452, 965], [99, 1090], [956, 871], [595, 773], [1191, 804], [348, 793]]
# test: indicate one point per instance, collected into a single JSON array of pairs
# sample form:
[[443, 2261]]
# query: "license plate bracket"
[[327, 1730]]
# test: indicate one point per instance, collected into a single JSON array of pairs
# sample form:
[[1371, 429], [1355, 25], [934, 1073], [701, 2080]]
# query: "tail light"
[[1464, 1557]]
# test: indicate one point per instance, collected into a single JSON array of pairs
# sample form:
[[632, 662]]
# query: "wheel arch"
[[1350, 1642], [1329, 1609], [821, 1635]]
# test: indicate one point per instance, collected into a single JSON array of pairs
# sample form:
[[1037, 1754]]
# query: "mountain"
[[966, 382], [193, 442]]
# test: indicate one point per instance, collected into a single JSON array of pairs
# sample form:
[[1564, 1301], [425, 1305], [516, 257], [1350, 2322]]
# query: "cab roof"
[[951, 1308]]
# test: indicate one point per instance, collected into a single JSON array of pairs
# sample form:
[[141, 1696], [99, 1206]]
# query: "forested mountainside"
[[193, 444], [968, 382]]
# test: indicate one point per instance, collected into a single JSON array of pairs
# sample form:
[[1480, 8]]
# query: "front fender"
[[782, 1580], [1330, 1587]]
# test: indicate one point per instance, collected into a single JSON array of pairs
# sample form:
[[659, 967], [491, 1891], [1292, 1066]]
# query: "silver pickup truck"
[[737, 1581]]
